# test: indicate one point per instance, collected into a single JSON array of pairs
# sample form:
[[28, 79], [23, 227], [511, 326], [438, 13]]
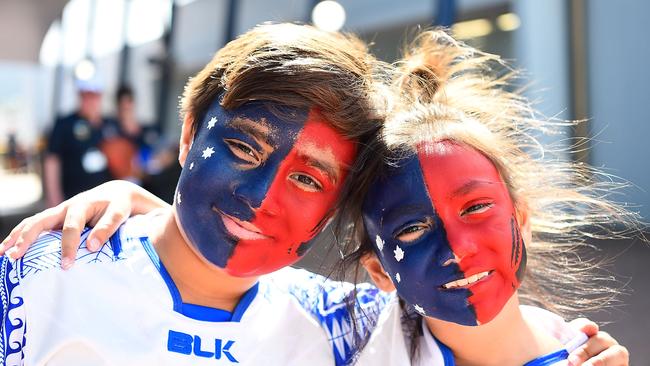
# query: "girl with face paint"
[[240, 163], [463, 216]]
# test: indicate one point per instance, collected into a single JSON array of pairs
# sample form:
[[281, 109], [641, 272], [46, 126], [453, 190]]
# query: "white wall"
[[619, 78]]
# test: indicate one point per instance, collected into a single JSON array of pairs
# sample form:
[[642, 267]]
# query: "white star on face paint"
[[419, 309], [212, 122], [179, 197], [207, 153], [191, 166], [398, 278], [380, 243], [399, 253]]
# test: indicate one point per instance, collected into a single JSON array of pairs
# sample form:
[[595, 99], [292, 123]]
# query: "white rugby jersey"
[[389, 342], [120, 307]]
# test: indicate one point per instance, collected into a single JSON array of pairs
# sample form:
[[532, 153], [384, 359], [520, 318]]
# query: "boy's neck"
[[198, 281], [507, 340]]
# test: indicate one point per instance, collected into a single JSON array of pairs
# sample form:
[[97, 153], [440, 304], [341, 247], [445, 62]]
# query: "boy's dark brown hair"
[[294, 65]]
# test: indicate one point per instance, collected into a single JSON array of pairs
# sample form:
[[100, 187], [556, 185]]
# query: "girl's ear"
[[376, 271], [187, 137], [524, 225]]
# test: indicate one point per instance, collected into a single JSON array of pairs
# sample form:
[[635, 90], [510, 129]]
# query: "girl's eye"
[[413, 231], [243, 151], [306, 182], [477, 208]]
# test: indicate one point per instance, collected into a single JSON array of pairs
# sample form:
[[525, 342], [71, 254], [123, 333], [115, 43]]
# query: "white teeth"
[[466, 281]]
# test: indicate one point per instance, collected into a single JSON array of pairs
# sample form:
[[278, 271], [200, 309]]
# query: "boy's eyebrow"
[[322, 158], [258, 129]]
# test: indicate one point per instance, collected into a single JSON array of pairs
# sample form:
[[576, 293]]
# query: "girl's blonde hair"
[[447, 90]]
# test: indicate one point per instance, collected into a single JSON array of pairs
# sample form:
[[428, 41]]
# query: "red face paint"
[[479, 218], [295, 208]]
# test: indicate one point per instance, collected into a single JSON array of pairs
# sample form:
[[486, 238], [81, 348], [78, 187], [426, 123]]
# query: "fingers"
[[599, 348], [23, 235], [107, 225], [585, 326], [75, 221], [613, 356], [10, 240]]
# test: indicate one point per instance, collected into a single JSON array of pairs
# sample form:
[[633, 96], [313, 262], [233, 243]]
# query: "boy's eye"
[[414, 231], [243, 151], [306, 182], [477, 208]]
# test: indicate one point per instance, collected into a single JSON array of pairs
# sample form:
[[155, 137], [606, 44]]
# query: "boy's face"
[[255, 188]]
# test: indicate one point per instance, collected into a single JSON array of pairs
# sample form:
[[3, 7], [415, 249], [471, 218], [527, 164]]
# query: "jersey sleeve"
[[12, 329], [347, 313]]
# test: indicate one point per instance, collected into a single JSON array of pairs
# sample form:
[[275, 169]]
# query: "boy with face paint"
[[265, 155], [247, 214]]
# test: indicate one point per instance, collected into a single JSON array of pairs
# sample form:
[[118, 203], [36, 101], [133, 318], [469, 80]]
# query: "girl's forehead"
[[450, 160]]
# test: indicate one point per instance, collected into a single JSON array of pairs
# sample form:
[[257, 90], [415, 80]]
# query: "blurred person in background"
[[122, 150], [73, 160]]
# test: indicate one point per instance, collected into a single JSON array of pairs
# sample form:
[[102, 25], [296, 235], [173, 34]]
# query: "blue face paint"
[[417, 269], [216, 180], [255, 188]]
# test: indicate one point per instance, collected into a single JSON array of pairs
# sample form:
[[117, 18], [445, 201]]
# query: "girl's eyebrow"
[[469, 187]]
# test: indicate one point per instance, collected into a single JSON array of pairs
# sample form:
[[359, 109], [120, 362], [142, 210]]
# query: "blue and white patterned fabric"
[[335, 304], [120, 307]]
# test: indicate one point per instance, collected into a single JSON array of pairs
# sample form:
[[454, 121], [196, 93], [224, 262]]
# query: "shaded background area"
[[584, 59]]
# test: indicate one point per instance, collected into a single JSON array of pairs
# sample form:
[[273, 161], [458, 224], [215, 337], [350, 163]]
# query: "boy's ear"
[[187, 136], [374, 268]]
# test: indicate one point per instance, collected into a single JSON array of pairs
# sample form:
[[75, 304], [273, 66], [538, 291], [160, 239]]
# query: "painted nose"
[[256, 191], [462, 246]]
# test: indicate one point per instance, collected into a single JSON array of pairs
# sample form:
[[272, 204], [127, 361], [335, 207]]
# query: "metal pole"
[[166, 68], [579, 80], [231, 20], [126, 50], [446, 13]]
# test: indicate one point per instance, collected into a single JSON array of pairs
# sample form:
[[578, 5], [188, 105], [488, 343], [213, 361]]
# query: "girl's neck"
[[198, 281], [507, 340]]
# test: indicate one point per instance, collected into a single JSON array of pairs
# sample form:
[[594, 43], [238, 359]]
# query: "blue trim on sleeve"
[[549, 359], [198, 312]]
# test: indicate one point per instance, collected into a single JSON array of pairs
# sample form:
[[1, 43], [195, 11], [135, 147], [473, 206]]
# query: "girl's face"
[[446, 232], [255, 189]]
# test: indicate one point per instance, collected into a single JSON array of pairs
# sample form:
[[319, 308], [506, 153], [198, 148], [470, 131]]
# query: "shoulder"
[[550, 323], [45, 253], [347, 312], [67, 119]]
